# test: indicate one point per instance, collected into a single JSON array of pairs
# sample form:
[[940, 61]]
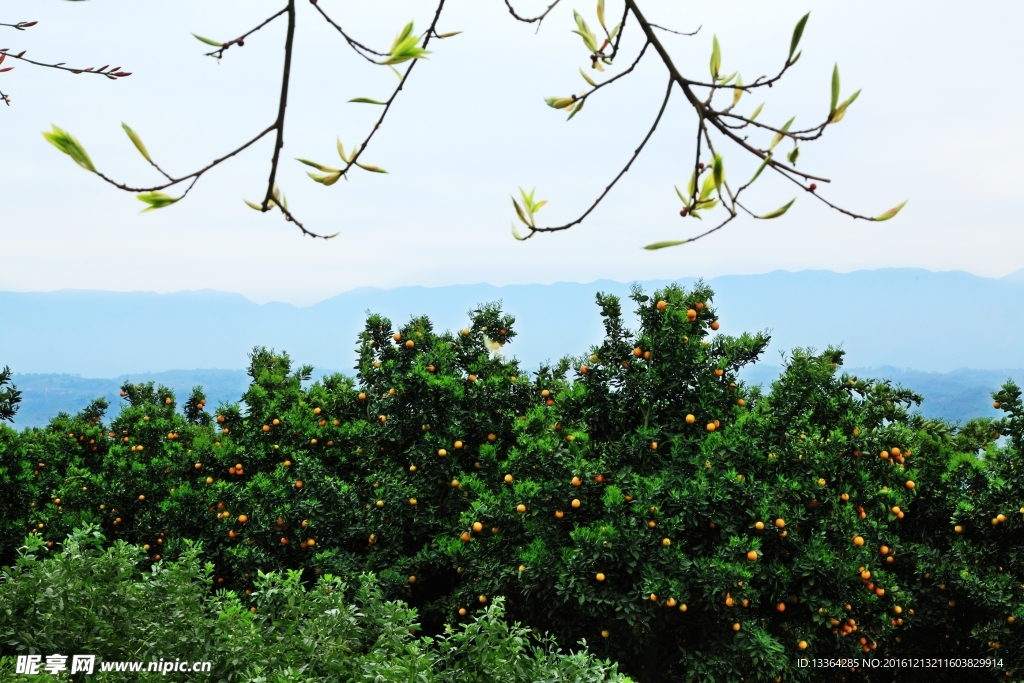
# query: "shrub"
[[87, 600]]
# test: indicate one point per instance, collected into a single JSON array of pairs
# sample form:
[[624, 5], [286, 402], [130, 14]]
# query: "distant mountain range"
[[955, 396], [896, 317]]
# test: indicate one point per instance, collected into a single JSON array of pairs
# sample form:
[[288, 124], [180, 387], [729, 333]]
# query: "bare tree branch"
[[356, 46], [240, 40], [678, 33], [537, 19], [636, 153], [286, 72]]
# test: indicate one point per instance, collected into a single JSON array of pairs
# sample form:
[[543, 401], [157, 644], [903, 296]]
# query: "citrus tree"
[[639, 497]]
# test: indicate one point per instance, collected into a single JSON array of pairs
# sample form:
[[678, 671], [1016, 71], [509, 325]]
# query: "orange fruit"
[[465, 537], [462, 611], [759, 526], [482, 599], [576, 481], [298, 484], [242, 519], [637, 352], [691, 315], [600, 576], [662, 305], [654, 445], [397, 337], [781, 607], [752, 555], [666, 542], [412, 501], [690, 419], [559, 514], [575, 502], [714, 325], [520, 508], [910, 484], [802, 645], [545, 393], [442, 452], [736, 626], [858, 540], [711, 426], [780, 522]]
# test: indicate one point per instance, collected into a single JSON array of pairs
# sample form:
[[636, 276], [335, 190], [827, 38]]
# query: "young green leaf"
[[66, 143], [778, 212], [891, 212], [614, 32], [366, 100], [841, 109], [374, 169], [662, 245], [716, 57], [835, 92], [317, 178], [684, 200], [330, 179], [319, 167], [708, 187], [792, 156], [600, 13], [778, 137], [516, 233], [560, 102], [137, 141], [587, 78], [519, 212], [718, 172], [579, 105], [253, 205], [450, 34], [208, 41], [738, 92], [756, 111], [797, 33], [156, 200], [767, 160]]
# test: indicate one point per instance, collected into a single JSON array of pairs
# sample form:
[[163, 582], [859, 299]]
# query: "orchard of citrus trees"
[[639, 497]]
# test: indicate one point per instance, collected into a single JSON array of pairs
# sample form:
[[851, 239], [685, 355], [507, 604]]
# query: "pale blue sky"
[[937, 123]]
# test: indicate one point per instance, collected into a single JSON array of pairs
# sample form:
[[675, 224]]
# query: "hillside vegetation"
[[639, 497]]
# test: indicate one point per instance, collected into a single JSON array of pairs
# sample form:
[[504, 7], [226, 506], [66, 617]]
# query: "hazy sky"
[[937, 123]]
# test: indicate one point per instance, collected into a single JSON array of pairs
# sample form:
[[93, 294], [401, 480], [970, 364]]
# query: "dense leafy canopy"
[[639, 497]]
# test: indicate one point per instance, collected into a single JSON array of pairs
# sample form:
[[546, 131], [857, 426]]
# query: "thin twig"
[[618, 76], [21, 25], [636, 153], [112, 74], [356, 46], [240, 40], [678, 33], [194, 174], [537, 19]]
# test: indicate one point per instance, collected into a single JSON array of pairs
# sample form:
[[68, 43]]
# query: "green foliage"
[[451, 475], [10, 397], [87, 600]]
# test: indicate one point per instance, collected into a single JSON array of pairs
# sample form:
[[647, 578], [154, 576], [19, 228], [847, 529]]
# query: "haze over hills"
[[902, 318]]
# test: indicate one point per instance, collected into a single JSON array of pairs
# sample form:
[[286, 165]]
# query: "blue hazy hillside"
[[910, 318], [935, 324], [955, 396]]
